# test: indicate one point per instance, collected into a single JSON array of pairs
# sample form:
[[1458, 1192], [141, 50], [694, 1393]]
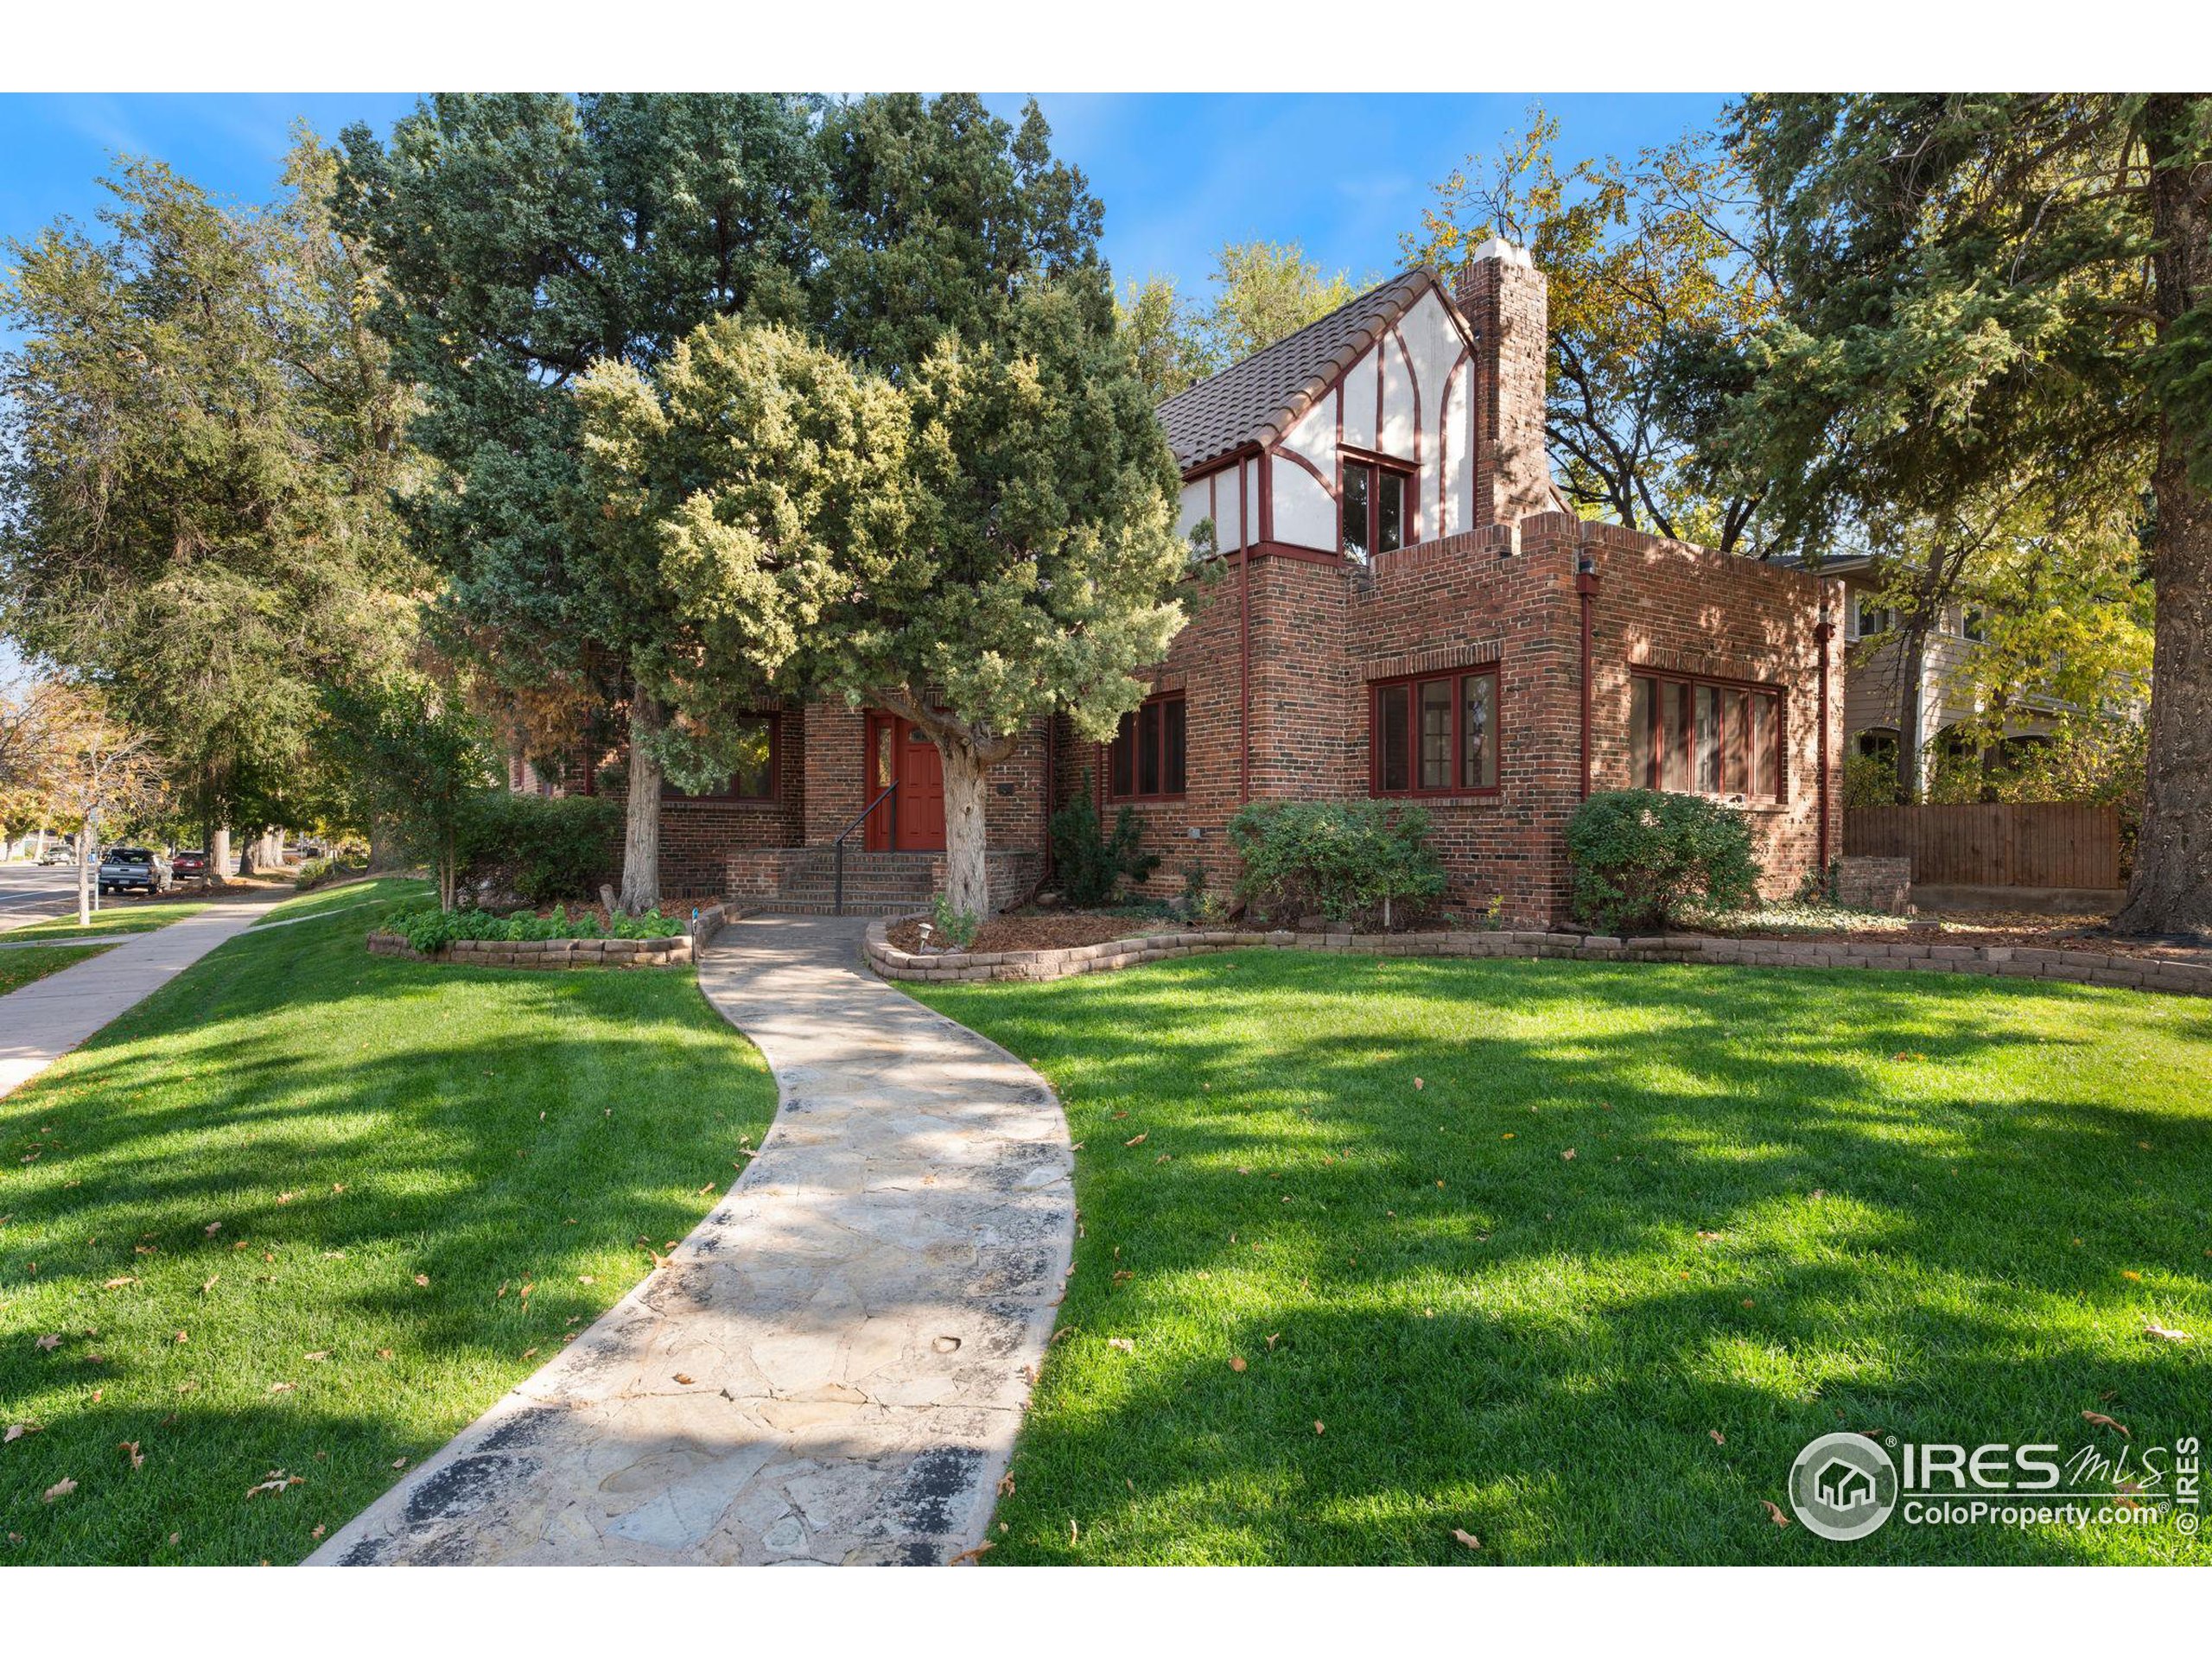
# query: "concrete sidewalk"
[[49, 1017], [832, 1367]]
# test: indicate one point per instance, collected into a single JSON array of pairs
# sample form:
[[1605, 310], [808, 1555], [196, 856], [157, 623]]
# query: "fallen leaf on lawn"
[[529, 1353], [16, 1431], [118, 1284], [286, 1197], [1316, 1425], [1136, 1140], [320, 1353], [1774, 1512], [1508, 1136], [209, 1283], [971, 1554], [212, 1228], [49, 1343], [186, 1386], [61, 1487], [2153, 1328], [276, 1481], [1236, 1362], [138, 1458], [1123, 1274], [2130, 1273], [280, 1388], [421, 1278], [384, 1353], [1702, 1234], [1568, 1155], [1161, 1159], [317, 1532], [182, 1336], [399, 1463], [338, 1186], [1006, 1485], [1719, 1439], [1466, 1538], [586, 1279], [1122, 1343], [1417, 1082], [2103, 1422], [1275, 1338]]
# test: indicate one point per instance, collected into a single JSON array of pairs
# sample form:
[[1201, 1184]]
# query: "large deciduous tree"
[[2002, 303], [528, 238], [1263, 291], [1654, 285]]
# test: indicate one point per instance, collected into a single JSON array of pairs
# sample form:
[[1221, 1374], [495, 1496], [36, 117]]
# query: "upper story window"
[[1434, 736], [754, 779], [1705, 737], [1146, 760], [1870, 616], [1376, 508]]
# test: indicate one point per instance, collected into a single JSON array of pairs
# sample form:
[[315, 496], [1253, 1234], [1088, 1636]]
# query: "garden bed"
[[670, 952]]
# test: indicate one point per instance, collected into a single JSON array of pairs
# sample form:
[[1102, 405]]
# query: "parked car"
[[134, 867], [188, 865], [61, 853]]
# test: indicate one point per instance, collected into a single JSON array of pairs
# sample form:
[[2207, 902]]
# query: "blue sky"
[[1179, 174]]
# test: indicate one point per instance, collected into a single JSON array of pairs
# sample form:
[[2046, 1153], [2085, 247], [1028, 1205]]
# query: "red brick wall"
[[1508, 304], [697, 837], [1322, 634]]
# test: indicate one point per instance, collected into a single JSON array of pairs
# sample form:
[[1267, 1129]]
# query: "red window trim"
[[1409, 529], [1452, 677], [1157, 699], [668, 791], [1750, 797]]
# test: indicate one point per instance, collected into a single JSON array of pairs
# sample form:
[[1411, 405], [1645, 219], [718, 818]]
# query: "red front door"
[[900, 751]]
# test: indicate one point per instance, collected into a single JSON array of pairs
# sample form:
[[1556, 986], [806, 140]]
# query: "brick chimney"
[[1504, 296]]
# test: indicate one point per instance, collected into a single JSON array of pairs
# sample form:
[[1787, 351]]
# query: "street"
[[30, 893]]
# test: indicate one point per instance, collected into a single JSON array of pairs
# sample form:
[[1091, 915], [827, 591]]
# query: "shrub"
[[538, 847], [315, 873], [957, 928], [431, 931], [1093, 866], [1199, 903], [1643, 859], [1869, 780], [1343, 859]]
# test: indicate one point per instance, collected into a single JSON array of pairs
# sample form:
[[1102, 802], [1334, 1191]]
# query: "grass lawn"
[[122, 916], [21, 967], [311, 1211], [1576, 1258]]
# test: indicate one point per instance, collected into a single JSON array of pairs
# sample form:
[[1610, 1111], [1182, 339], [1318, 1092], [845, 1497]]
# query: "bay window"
[[1434, 734], [1705, 737]]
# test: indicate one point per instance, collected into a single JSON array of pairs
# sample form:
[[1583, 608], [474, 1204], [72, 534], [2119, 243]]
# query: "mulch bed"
[[1039, 932]]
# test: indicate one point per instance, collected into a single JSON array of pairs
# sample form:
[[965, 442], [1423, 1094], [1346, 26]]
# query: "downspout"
[[1243, 646], [1824, 632], [1586, 590]]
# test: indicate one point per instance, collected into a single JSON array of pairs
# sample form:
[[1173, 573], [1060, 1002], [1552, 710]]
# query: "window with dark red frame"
[[1146, 761], [1436, 734], [1376, 507], [1705, 737], [755, 777]]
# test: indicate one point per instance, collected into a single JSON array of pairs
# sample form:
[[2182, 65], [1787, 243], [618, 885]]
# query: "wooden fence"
[[2041, 844]]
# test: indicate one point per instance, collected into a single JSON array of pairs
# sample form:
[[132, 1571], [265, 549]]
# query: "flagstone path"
[[831, 1368]]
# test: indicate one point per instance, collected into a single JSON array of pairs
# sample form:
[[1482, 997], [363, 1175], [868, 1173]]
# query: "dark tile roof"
[[1258, 400]]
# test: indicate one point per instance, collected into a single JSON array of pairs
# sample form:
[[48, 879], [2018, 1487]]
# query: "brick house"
[[1395, 602]]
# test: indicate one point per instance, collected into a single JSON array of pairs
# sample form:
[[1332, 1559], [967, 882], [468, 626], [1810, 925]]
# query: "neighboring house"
[[1394, 602], [1884, 702]]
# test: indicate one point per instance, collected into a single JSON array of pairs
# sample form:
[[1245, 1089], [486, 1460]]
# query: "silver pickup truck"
[[134, 867]]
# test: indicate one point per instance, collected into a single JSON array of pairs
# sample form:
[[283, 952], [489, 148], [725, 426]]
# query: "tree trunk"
[[382, 855], [967, 870], [1912, 668], [2171, 889], [219, 854], [641, 823]]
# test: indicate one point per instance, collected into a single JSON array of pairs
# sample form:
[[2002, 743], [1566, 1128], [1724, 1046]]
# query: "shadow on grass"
[[1796, 1201]]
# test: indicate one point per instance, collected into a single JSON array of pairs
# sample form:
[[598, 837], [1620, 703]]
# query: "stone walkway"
[[46, 1018], [831, 1368]]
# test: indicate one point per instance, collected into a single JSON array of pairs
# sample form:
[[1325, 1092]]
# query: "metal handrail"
[[838, 843]]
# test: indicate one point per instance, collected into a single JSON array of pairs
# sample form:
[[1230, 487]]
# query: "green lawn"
[[281, 1217], [1942, 1207], [120, 916], [21, 967]]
